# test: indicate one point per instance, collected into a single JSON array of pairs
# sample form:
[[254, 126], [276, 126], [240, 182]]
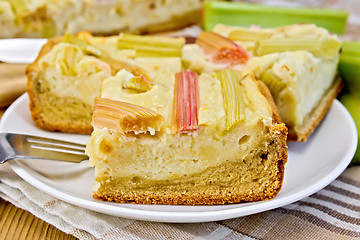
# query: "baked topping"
[[124, 117], [233, 97], [186, 101], [149, 46], [137, 83]]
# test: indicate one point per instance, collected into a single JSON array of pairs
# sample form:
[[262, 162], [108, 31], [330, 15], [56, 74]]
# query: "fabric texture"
[[331, 213]]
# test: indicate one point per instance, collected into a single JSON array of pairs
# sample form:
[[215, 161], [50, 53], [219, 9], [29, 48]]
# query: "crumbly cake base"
[[61, 114], [257, 177]]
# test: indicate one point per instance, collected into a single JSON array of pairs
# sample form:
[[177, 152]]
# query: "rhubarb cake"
[[188, 138], [187, 123], [299, 65], [39, 18]]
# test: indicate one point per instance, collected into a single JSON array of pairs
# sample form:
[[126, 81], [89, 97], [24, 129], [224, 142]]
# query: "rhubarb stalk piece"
[[87, 48], [222, 49], [124, 117], [68, 61], [349, 66], [246, 14], [233, 96], [352, 104], [186, 101], [149, 46], [273, 82], [324, 48]]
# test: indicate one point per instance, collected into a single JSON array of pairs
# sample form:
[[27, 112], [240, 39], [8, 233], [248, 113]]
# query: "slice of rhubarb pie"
[[186, 138], [299, 65], [68, 74]]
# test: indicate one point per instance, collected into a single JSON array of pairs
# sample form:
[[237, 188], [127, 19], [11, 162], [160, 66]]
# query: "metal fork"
[[19, 146]]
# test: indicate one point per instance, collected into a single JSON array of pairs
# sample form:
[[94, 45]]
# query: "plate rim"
[[184, 216]]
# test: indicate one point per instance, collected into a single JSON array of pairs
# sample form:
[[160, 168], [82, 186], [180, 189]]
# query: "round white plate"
[[310, 167]]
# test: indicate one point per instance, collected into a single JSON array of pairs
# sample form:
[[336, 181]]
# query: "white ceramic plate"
[[311, 166]]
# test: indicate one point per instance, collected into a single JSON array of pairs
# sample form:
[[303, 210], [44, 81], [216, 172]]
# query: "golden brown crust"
[[280, 151], [317, 114]]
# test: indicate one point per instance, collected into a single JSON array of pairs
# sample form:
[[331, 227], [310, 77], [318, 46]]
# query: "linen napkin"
[[332, 213]]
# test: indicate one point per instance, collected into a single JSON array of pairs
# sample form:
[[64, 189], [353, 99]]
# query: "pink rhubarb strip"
[[186, 101]]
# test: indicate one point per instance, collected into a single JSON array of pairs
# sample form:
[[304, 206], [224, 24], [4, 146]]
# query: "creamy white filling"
[[307, 78], [164, 156], [85, 85]]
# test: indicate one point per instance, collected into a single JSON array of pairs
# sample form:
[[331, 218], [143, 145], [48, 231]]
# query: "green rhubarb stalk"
[[274, 83], [245, 14], [325, 48], [245, 34], [350, 48], [68, 61], [150, 46], [352, 104], [349, 65], [233, 96], [87, 48], [349, 69]]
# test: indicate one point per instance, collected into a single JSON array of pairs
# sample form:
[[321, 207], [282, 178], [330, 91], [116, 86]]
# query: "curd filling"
[[307, 79], [167, 155], [73, 74]]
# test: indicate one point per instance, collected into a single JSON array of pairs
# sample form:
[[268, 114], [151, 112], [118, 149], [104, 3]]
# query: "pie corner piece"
[[54, 93]]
